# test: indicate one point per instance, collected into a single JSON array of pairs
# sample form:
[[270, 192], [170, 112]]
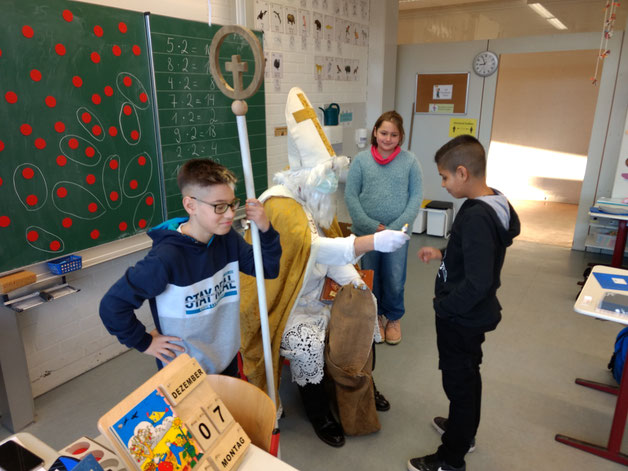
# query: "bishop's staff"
[[239, 108]]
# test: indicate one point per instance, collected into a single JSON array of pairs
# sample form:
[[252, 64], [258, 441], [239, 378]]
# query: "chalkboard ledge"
[[95, 255]]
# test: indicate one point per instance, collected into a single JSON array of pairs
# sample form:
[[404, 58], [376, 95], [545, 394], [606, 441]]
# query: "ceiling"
[[464, 20]]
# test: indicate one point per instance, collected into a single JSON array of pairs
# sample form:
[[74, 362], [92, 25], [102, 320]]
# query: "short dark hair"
[[464, 151], [204, 173], [394, 118]]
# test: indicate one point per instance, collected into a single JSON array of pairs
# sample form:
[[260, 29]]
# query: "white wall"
[[431, 131], [65, 337]]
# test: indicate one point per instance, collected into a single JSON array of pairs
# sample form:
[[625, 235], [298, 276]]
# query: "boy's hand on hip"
[[162, 347], [255, 212], [426, 254], [389, 240]]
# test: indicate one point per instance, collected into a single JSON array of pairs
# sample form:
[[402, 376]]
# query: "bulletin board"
[[442, 93]]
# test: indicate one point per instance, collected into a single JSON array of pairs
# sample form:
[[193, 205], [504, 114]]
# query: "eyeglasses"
[[221, 208]]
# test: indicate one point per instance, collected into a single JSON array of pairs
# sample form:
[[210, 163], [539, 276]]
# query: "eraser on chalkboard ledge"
[[16, 280]]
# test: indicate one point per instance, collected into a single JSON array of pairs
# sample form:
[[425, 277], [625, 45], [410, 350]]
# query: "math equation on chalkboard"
[[195, 118]]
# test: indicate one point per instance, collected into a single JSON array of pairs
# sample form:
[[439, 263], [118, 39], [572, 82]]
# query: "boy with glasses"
[[191, 275]]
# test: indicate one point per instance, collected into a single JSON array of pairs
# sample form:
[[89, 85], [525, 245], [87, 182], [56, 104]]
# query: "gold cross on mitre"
[[309, 113]]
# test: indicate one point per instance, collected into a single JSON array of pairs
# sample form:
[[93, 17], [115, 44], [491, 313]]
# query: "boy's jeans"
[[389, 280]]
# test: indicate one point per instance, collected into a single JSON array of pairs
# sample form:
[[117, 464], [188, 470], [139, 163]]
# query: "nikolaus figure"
[[301, 206]]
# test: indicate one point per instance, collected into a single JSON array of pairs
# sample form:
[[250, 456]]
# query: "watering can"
[[330, 114]]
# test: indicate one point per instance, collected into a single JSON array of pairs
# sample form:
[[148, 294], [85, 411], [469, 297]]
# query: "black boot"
[[318, 412], [381, 403]]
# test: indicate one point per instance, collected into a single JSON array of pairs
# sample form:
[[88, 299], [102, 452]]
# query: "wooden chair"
[[251, 408]]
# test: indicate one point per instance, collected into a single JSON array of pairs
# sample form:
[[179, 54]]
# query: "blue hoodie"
[[193, 290]]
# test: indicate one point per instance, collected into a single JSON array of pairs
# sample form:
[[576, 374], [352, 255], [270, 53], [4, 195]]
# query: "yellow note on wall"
[[460, 126]]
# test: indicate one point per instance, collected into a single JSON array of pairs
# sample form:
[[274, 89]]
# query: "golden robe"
[[289, 219]]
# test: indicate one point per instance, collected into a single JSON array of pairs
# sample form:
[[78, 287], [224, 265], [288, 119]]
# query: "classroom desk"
[[622, 232], [587, 304]]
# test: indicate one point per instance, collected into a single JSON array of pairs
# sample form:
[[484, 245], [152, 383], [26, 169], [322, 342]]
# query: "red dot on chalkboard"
[[0, 52], [50, 101], [60, 49], [135, 135], [92, 207], [116, 50], [141, 160], [66, 222], [113, 131], [122, 27], [1, 146], [55, 245], [28, 173], [35, 75], [86, 117], [142, 223], [90, 179], [73, 143], [5, 221], [114, 196], [96, 99], [96, 130], [95, 57], [67, 15], [108, 90], [136, 50], [95, 234], [90, 152], [59, 126], [77, 81], [31, 200], [10, 97], [143, 97], [27, 31], [133, 184], [149, 200], [62, 192], [32, 236], [122, 226], [40, 143], [61, 160], [127, 81], [26, 129], [113, 164], [98, 31], [127, 110]]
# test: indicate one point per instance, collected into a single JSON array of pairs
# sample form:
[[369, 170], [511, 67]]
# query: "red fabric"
[[381, 160]]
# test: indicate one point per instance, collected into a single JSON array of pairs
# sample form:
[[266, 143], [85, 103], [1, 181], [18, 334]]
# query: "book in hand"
[[331, 288], [152, 434], [615, 302]]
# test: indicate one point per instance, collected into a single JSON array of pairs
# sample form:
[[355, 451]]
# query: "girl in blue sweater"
[[384, 191]]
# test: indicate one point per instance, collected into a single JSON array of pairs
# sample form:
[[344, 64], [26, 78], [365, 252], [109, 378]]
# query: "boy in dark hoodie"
[[465, 299], [191, 275]]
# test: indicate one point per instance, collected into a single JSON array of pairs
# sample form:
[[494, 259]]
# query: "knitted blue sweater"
[[389, 194]]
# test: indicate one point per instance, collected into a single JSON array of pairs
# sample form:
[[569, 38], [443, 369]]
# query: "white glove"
[[389, 241]]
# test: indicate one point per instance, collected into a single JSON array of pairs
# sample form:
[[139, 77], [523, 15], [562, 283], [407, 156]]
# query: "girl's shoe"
[[393, 332]]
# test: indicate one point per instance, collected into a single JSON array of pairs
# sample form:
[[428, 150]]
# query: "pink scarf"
[[381, 160]]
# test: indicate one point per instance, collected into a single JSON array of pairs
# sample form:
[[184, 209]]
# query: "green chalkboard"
[[79, 162], [195, 118]]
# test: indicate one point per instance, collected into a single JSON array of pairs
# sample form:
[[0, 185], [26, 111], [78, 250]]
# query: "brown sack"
[[348, 358]]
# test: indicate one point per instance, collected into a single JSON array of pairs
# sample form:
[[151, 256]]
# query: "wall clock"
[[485, 63]]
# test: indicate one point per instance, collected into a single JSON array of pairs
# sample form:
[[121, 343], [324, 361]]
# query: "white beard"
[[321, 206]]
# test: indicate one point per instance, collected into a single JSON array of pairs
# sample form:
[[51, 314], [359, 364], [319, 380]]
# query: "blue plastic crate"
[[65, 264]]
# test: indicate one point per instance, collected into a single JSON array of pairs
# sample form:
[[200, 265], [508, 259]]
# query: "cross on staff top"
[[236, 67]]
